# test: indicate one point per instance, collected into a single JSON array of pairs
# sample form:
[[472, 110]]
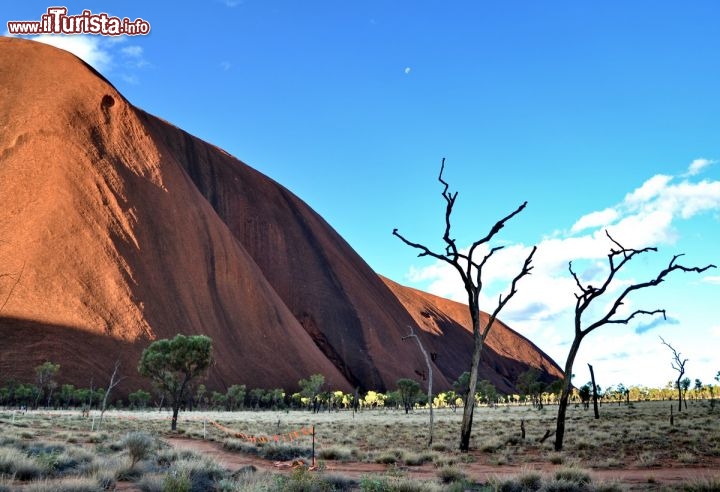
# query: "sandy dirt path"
[[633, 478]]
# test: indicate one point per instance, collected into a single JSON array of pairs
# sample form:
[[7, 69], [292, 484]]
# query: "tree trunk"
[[469, 408], [565, 395], [680, 398], [175, 411], [595, 396]]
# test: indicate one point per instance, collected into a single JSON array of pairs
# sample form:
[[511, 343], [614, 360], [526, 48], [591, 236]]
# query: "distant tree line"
[[48, 392]]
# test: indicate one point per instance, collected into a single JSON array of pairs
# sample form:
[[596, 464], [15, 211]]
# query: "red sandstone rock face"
[[124, 229]]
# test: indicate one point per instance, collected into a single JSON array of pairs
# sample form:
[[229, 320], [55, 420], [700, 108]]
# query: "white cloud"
[[100, 52], [711, 279], [649, 189], [595, 219], [132, 51], [648, 216], [407, 70], [88, 48], [698, 165]]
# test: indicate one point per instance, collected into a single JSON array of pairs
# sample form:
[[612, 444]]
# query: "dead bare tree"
[[678, 363], [114, 381], [618, 257], [470, 270], [594, 392], [430, 378]]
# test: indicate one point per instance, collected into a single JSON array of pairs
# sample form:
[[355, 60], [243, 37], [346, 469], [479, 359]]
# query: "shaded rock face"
[[118, 228]]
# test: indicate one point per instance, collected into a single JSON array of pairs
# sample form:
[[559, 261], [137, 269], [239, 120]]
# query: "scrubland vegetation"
[[372, 449]]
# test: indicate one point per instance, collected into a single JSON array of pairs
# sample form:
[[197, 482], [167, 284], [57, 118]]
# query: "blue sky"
[[601, 114]]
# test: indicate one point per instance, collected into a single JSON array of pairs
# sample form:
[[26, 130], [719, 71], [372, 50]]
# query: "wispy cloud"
[[698, 165], [649, 215], [225, 65], [655, 323], [105, 54], [94, 50], [602, 218]]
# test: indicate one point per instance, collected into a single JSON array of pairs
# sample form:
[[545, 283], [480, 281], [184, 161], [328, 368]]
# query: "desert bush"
[[176, 481], [70, 484], [15, 463], [574, 475], [491, 445], [419, 459], [151, 483], [711, 484], [525, 482], [139, 446], [283, 451], [303, 480], [375, 483], [390, 457], [450, 474], [336, 453], [199, 474]]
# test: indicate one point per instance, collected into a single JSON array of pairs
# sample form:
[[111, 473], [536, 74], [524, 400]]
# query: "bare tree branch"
[[618, 257], [470, 272], [513, 290], [678, 363], [430, 377]]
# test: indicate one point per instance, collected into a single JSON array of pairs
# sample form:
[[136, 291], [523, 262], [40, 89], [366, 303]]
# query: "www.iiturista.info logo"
[[57, 21]]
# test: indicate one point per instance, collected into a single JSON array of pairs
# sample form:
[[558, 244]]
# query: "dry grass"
[[42, 449]]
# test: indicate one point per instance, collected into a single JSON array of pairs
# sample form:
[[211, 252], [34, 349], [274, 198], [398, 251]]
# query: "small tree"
[[114, 381], [678, 363], [430, 379], [139, 399], [461, 385], [236, 396], [585, 393], [470, 268], [409, 389], [618, 257], [172, 365], [487, 391], [45, 376], [311, 389]]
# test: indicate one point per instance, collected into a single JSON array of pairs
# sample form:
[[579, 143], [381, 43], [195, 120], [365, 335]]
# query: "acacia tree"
[[409, 389], [618, 257], [470, 268], [173, 364], [678, 363], [45, 374], [311, 388]]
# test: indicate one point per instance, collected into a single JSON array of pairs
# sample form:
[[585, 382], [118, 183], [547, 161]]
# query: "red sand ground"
[[667, 475]]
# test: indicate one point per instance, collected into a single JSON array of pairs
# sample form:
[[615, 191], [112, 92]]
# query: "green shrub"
[[574, 475], [177, 482], [337, 454], [139, 446], [450, 474]]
